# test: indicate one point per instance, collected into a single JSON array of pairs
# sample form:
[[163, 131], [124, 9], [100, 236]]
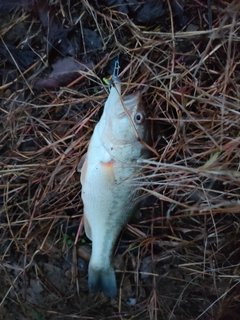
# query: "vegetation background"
[[180, 258]]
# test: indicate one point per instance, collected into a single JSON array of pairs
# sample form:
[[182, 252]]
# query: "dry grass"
[[188, 236]]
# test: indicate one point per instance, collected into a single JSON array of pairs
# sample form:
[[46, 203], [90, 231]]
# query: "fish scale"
[[108, 196]]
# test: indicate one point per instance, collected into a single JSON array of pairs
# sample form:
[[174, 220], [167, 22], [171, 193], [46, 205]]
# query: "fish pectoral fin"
[[109, 173], [87, 227], [81, 162]]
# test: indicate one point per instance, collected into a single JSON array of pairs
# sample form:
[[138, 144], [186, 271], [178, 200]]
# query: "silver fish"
[[108, 196]]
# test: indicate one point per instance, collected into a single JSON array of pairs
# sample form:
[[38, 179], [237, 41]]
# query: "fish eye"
[[139, 118]]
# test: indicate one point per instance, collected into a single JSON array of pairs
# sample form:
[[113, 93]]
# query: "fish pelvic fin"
[[104, 281], [81, 163], [87, 227]]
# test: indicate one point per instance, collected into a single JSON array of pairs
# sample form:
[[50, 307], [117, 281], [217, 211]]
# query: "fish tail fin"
[[102, 280]]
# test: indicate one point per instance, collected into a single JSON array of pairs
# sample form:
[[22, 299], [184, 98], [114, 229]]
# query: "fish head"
[[123, 121]]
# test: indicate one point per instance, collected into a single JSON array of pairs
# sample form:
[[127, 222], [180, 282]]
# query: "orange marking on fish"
[[107, 165], [109, 173]]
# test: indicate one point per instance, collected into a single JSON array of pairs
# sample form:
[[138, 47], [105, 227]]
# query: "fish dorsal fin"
[[81, 162]]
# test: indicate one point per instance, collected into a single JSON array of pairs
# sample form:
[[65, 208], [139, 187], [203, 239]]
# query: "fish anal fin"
[[102, 280], [87, 227], [81, 162]]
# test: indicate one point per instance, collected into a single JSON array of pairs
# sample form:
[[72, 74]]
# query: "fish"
[[109, 198]]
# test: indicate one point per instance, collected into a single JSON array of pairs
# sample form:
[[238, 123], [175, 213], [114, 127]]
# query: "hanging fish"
[[108, 195]]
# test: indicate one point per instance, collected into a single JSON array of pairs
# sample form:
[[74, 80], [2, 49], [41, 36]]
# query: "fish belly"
[[108, 204]]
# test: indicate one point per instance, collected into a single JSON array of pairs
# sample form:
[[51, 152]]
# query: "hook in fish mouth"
[[116, 68]]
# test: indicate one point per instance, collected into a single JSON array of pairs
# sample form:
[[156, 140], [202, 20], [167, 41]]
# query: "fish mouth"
[[117, 105]]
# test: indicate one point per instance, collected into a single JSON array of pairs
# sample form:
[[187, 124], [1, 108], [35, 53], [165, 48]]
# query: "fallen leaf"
[[64, 72]]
